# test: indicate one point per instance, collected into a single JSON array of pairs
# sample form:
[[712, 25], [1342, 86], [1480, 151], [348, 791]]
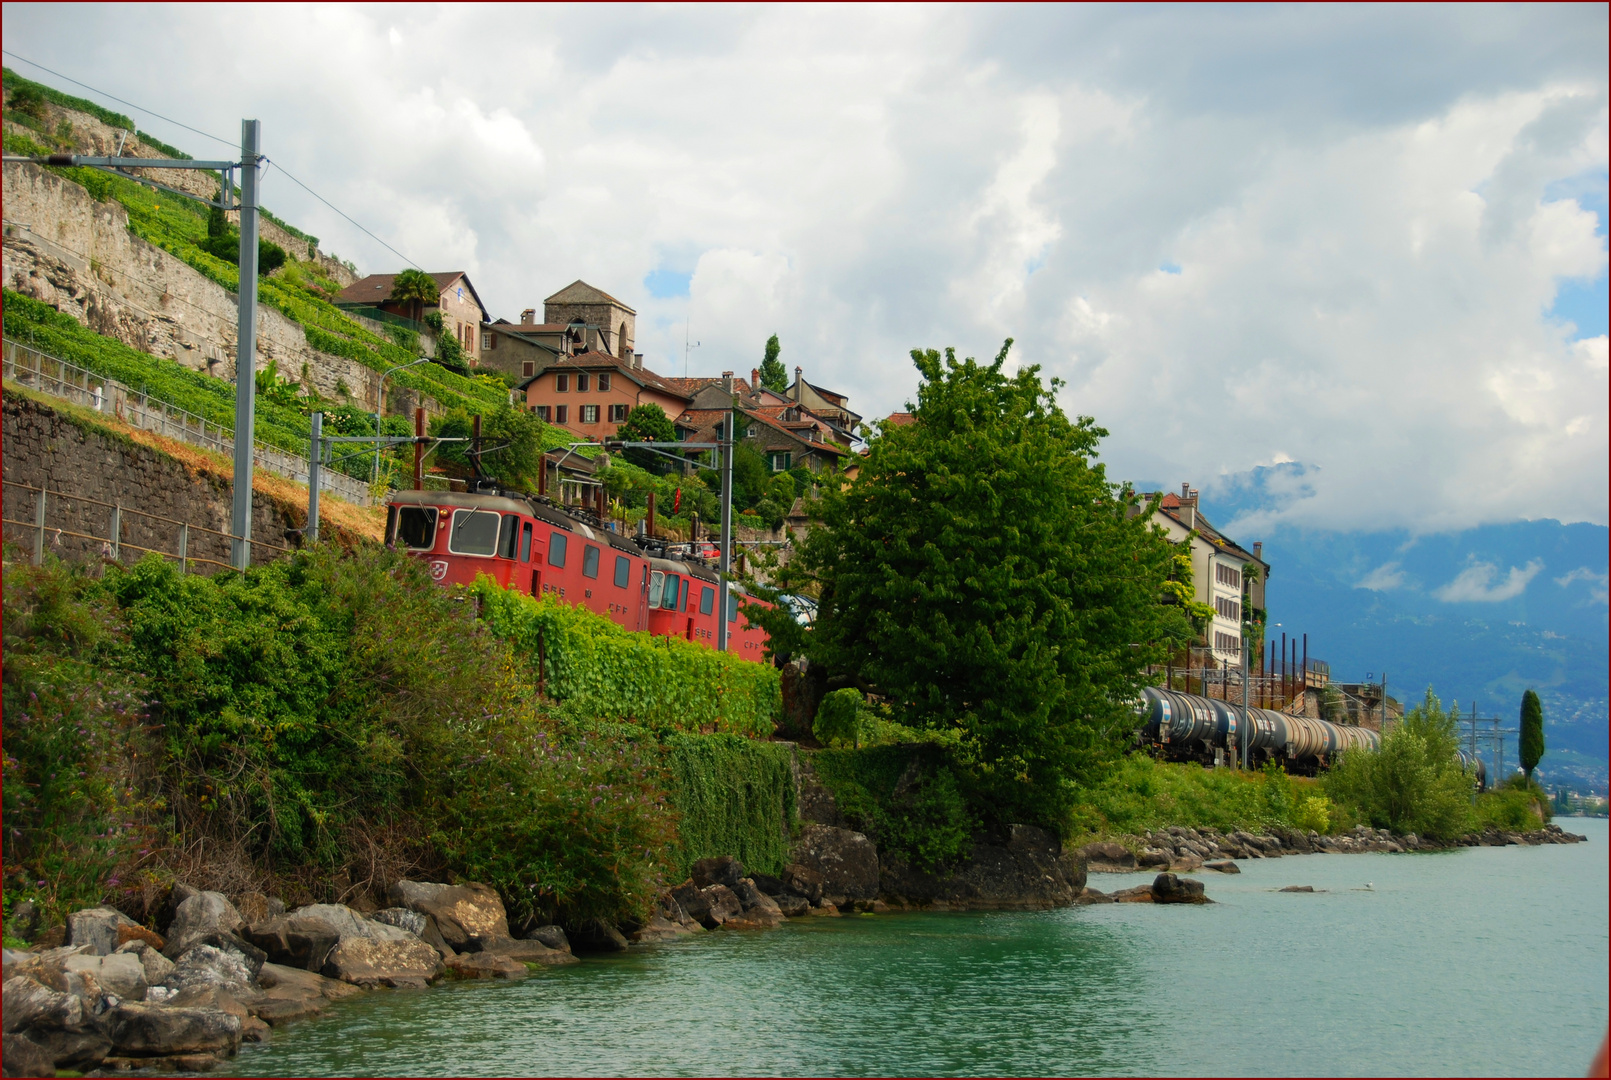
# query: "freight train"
[[1186, 727], [528, 543]]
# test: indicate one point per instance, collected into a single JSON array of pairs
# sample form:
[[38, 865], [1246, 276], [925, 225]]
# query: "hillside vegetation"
[[319, 726]]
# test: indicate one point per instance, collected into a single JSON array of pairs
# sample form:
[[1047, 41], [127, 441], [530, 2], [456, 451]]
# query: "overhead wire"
[[226, 142]]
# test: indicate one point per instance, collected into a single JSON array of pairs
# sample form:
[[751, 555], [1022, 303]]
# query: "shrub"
[[839, 718], [600, 670], [1414, 783], [907, 797]]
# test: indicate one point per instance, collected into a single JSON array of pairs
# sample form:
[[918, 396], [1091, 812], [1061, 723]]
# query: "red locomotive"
[[530, 545]]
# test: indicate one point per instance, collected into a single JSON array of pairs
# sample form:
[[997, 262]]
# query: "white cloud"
[[1598, 582], [1363, 205], [1477, 583], [1384, 578]]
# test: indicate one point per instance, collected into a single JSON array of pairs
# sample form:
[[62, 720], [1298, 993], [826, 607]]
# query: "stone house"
[[463, 313], [609, 325], [830, 405], [1217, 564]]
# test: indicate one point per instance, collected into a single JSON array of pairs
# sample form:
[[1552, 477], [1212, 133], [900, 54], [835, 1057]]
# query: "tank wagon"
[[527, 543], [1186, 727]]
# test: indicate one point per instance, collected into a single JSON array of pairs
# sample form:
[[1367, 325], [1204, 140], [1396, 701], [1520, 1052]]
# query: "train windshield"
[[416, 527], [475, 532], [657, 581]]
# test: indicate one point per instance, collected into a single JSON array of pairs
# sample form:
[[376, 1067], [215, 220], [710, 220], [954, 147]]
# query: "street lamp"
[[380, 401]]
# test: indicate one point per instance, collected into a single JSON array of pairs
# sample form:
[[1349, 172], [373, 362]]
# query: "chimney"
[[727, 381], [637, 361], [1185, 492], [799, 382], [755, 378], [528, 317], [1258, 550]]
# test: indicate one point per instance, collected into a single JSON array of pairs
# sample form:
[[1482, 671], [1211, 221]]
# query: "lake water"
[[1485, 961]]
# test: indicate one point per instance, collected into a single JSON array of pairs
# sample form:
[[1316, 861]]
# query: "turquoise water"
[[1488, 961]]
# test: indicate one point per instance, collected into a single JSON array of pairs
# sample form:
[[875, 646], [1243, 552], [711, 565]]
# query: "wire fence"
[[74, 536], [28, 366]]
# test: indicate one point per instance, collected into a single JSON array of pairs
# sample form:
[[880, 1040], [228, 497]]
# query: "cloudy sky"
[[1364, 244]]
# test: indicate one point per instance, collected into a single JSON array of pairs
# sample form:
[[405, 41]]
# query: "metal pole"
[[1384, 704], [727, 528], [1246, 731], [1473, 750], [419, 449], [39, 522], [117, 529], [184, 548], [240, 521], [315, 452]]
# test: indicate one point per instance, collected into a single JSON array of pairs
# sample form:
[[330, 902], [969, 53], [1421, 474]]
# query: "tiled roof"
[[700, 419], [592, 361], [692, 385], [900, 419], [377, 287]]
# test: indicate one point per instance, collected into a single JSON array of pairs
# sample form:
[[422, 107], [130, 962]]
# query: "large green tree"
[[647, 423], [983, 574], [1416, 782], [1532, 733], [773, 374]]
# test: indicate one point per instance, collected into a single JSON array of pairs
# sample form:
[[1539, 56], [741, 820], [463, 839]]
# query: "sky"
[[1353, 255]]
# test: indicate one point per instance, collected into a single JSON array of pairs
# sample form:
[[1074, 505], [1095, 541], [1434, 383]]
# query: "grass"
[[1140, 794]]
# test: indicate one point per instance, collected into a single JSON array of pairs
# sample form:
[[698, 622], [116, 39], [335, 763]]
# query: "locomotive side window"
[[623, 571], [590, 561], [506, 536], [732, 606], [556, 550], [475, 532], [682, 601], [657, 581], [416, 527], [669, 600], [525, 542], [707, 601]]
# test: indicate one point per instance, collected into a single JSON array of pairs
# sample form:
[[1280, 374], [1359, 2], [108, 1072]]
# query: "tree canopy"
[[1532, 733], [416, 287], [985, 577], [647, 423], [774, 376]]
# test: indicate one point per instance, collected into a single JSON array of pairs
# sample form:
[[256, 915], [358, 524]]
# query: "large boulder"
[[1169, 889], [760, 912], [29, 1003], [294, 941], [485, 965], [847, 862], [803, 881], [465, 914], [599, 936], [77, 1050], [197, 917], [722, 870], [1024, 868], [97, 928], [1108, 857], [22, 1056], [528, 951], [292, 994], [161, 1031], [211, 966], [552, 936], [121, 973], [385, 956], [693, 902], [723, 904], [157, 967], [402, 918]]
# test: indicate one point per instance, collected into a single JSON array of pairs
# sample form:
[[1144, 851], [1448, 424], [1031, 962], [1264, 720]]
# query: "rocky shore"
[[116, 995], [1184, 850]]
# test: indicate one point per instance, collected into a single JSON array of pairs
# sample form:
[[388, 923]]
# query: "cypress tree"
[[774, 376], [1532, 733]]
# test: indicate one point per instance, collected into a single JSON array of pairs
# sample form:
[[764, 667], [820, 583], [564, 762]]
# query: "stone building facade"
[[615, 323]]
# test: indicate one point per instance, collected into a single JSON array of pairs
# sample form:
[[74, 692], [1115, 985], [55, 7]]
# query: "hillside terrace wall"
[[64, 248], [48, 448]]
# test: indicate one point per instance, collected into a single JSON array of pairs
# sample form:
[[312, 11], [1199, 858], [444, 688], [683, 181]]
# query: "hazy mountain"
[[1478, 615]]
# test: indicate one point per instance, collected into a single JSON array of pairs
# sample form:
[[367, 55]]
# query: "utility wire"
[[286, 173], [120, 101], [226, 142]]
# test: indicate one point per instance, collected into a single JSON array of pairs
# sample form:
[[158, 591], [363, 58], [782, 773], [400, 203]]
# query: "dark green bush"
[[908, 797]]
